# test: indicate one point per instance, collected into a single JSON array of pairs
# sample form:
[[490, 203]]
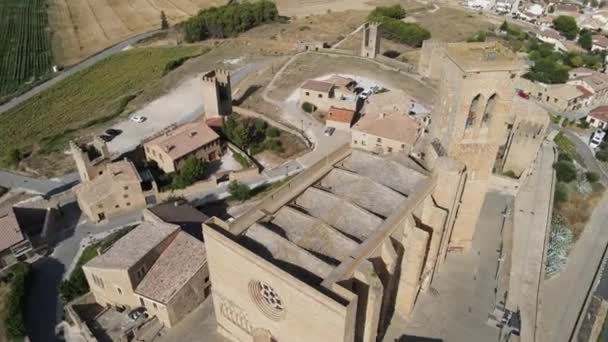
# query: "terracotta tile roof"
[[127, 251], [600, 40], [584, 91], [173, 269], [566, 8], [551, 33], [10, 232], [320, 86], [341, 81], [394, 126], [600, 113], [341, 115], [184, 139]]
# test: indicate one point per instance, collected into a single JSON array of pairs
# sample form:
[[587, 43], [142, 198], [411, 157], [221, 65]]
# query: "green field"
[[90, 97], [25, 48]]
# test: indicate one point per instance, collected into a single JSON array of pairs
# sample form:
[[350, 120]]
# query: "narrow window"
[[473, 110], [489, 111]]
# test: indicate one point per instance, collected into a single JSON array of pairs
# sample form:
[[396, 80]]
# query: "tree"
[[308, 107], [164, 23], [504, 26], [561, 193], [592, 177], [565, 171], [239, 191], [602, 156], [585, 40], [566, 25], [192, 171]]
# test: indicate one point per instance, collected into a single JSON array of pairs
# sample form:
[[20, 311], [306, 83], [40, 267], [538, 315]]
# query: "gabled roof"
[[132, 247], [600, 113], [340, 115], [10, 232], [173, 269], [185, 139], [600, 40], [550, 33], [395, 126], [320, 86]]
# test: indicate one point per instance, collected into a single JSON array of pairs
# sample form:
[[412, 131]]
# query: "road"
[[587, 154], [38, 186], [74, 69]]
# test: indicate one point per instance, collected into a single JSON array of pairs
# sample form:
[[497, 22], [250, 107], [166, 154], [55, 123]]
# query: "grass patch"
[[85, 99], [76, 285]]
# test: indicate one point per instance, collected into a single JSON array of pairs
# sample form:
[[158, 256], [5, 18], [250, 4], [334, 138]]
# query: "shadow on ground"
[[43, 309]]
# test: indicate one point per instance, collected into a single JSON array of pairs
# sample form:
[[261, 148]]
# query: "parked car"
[[138, 118], [113, 132], [523, 95], [329, 131], [597, 138], [136, 313]]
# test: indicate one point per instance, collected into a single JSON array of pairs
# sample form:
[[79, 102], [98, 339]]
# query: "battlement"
[[219, 76]]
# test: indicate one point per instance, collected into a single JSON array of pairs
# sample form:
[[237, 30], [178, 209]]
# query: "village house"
[[325, 94], [385, 132], [566, 9], [551, 36], [170, 149], [14, 244], [156, 266], [544, 21], [600, 43], [180, 213], [598, 117], [118, 189], [596, 83], [340, 118], [566, 97]]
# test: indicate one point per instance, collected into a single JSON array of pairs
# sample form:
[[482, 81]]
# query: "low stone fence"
[[400, 66], [247, 112]]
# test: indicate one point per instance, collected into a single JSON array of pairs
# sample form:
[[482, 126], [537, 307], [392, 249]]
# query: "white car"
[[597, 138], [138, 118], [364, 95]]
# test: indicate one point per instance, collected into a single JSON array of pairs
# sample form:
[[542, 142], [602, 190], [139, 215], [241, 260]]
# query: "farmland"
[[81, 28], [25, 50], [43, 125]]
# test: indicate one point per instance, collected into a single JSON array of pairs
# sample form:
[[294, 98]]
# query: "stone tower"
[[217, 94], [370, 46], [90, 160], [471, 119]]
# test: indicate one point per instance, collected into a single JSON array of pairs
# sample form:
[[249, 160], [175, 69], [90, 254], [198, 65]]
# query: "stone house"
[[323, 95], [385, 132], [566, 97], [171, 148], [599, 42], [598, 117], [340, 118], [117, 190], [551, 36], [156, 266], [596, 83], [15, 245]]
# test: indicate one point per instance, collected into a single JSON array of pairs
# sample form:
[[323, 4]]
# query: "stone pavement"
[[457, 305], [564, 294], [532, 216]]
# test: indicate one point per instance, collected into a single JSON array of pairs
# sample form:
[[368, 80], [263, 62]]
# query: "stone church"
[[334, 253]]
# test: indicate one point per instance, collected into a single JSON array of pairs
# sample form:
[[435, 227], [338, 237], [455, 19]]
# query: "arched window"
[[489, 111], [473, 110]]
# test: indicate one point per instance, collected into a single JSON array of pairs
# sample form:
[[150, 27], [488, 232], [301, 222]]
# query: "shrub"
[[174, 64], [592, 176], [239, 191], [564, 157], [308, 107], [582, 123], [241, 159], [565, 171], [477, 37], [14, 319], [274, 145], [273, 132], [561, 193], [602, 155], [566, 25], [391, 54]]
